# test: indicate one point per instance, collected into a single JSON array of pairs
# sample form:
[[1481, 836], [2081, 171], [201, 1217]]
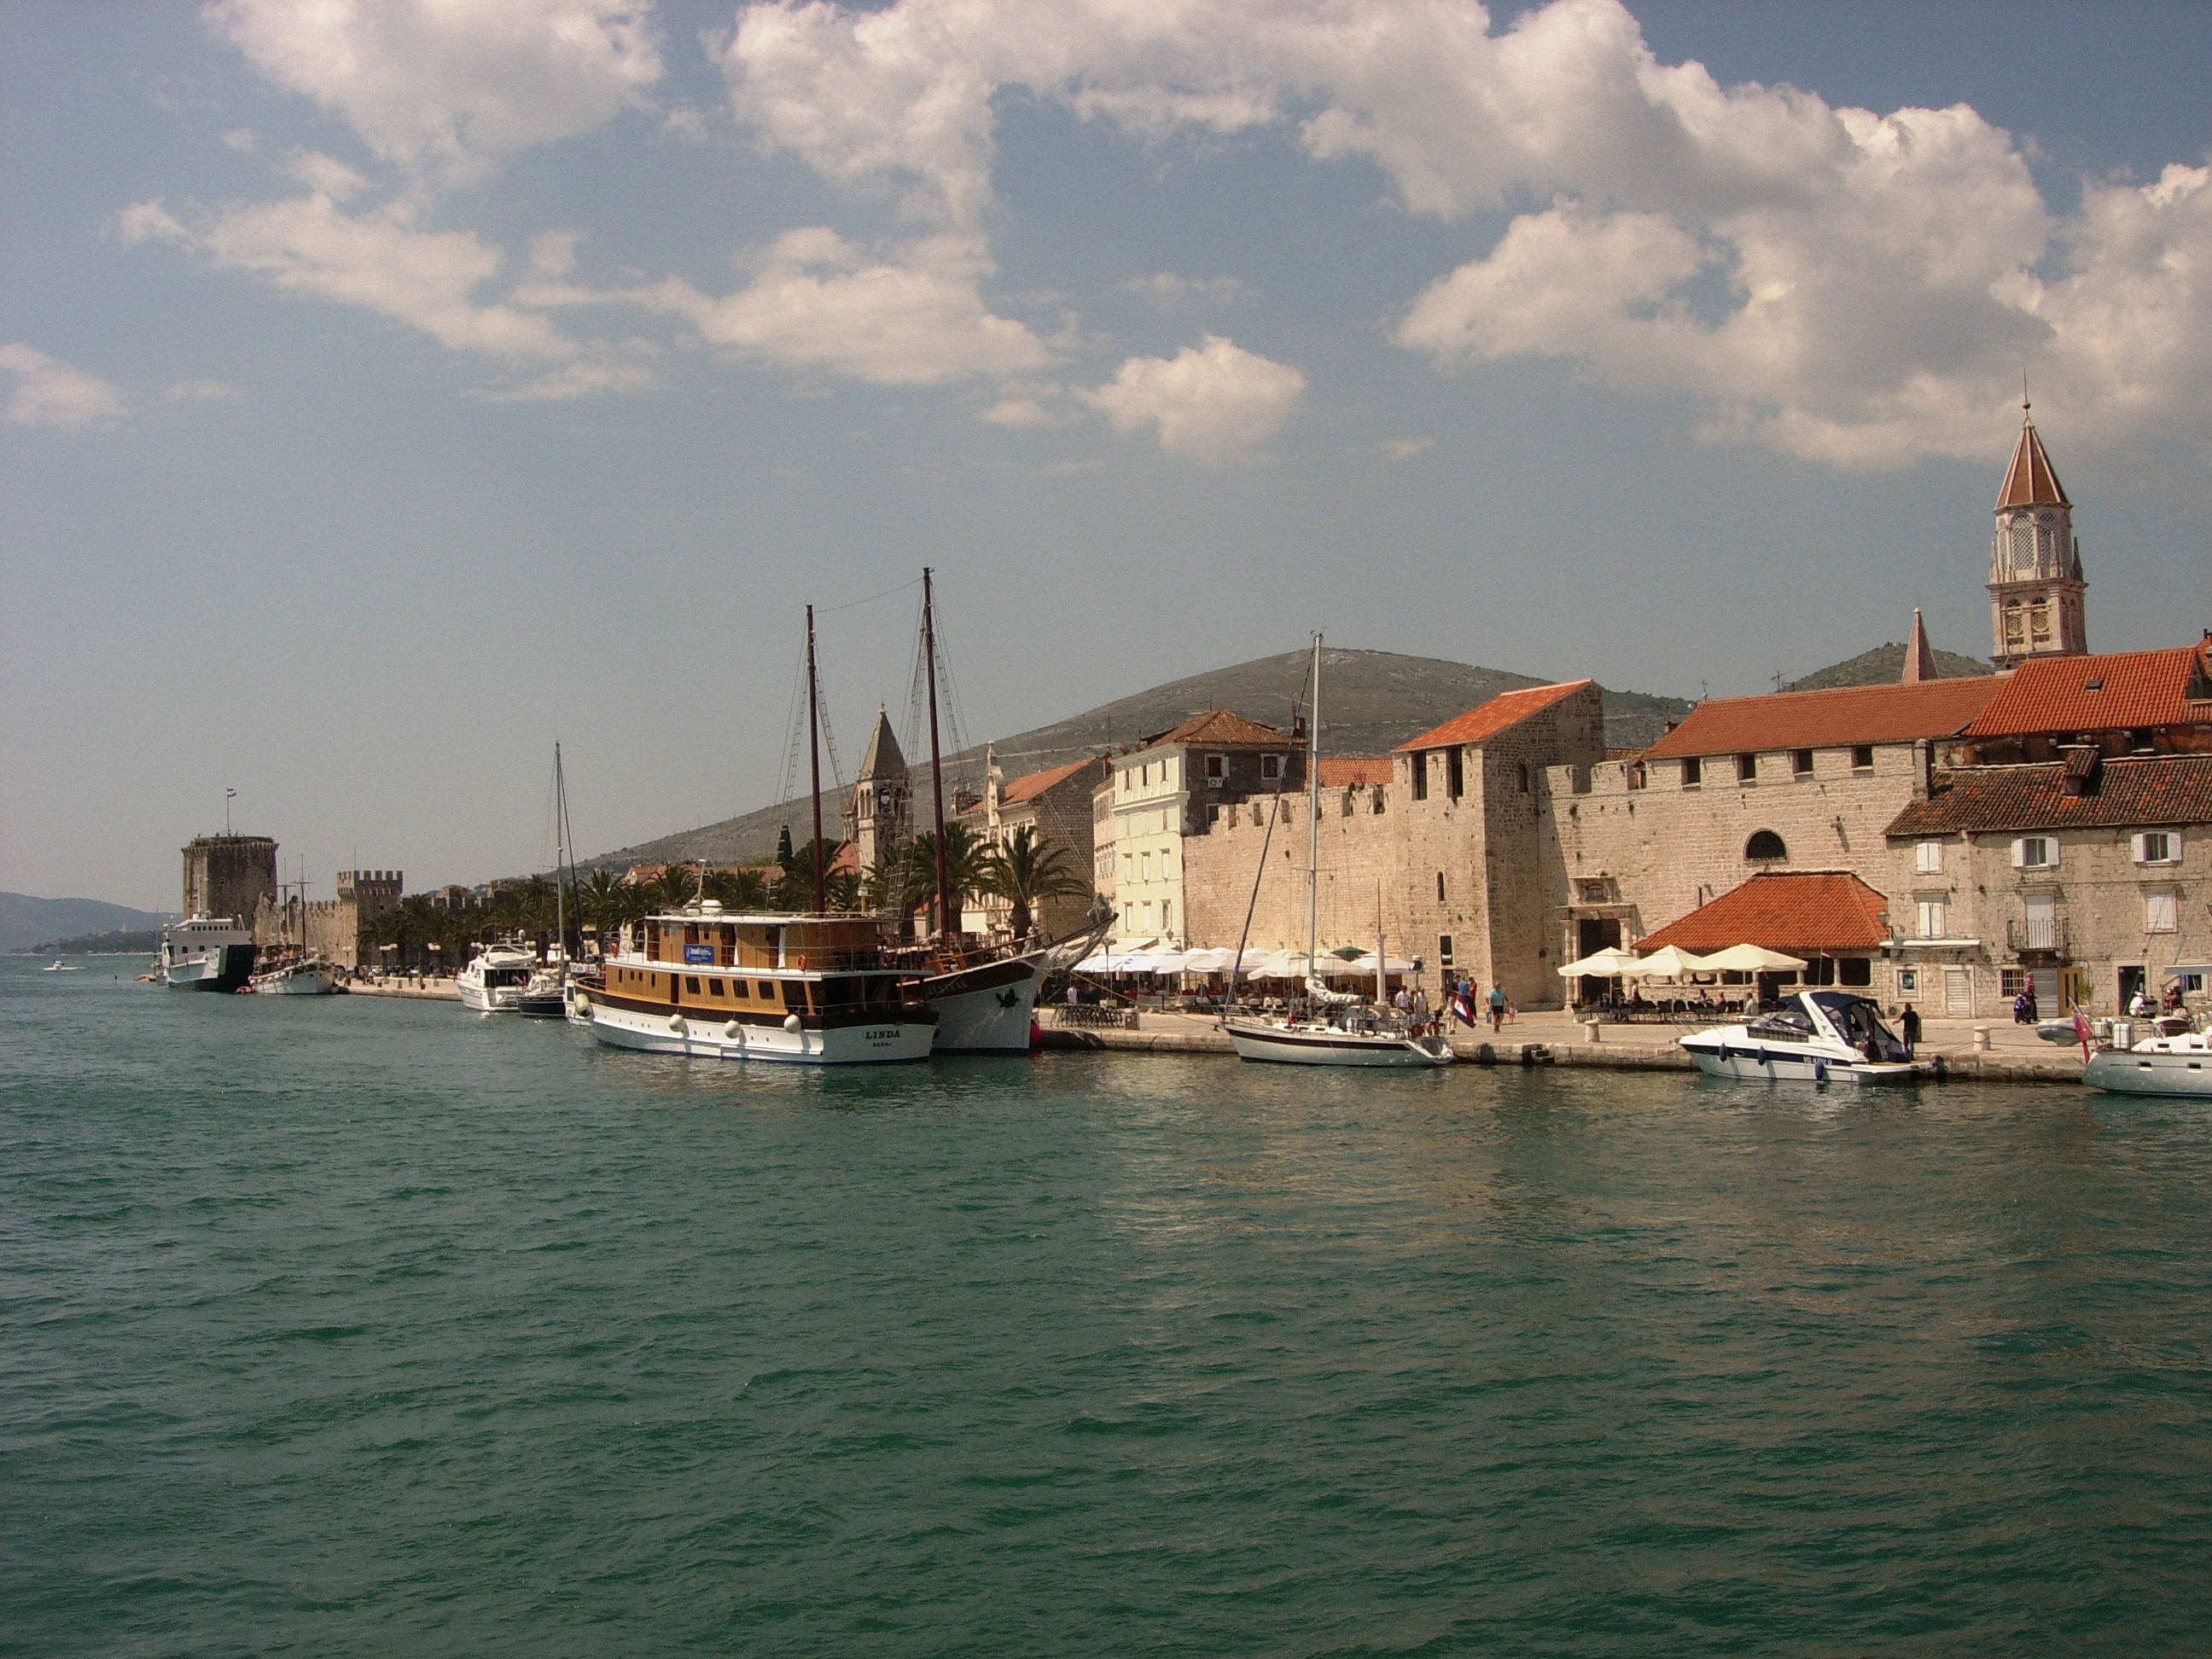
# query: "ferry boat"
[[810, 990], [206, 953], [493, 981], [1813, 1036]]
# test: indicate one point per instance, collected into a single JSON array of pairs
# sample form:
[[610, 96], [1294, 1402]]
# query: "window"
[[1167, 915], [1443, 950], [691, 984], [1454, 773], [1379, 799], [1931, 917], [1217, 770], [1524, 777], [1128, 866], [739, 989], [2160, 913], [1693, 772], [1440, 887], [2156, 846], [1635, 772], [1908, 979], [1271, 767], [2034, 852], [767, 989], [1801, 762], [1863, 758], [715, 987], [2042, 931], [1764, 844], [1746, 769], [1928, 858], [2011, 982], [1418, 762], [1144, 864], [1854, 970]]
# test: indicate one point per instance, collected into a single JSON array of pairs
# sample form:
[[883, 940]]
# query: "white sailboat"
[[1334, 1028], [292, 970]]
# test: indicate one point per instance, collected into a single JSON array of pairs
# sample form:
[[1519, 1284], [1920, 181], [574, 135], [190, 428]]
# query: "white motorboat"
[[303, 976], [494, 979], [1813, 1036], [546, 995], [58, 968], [1334, 1028], [206, 953], [2173, 1065]]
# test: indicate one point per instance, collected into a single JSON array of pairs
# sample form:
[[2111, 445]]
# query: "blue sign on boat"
[[699, 953]]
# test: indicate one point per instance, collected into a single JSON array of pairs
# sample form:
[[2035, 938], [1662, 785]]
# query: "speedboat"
[[2157, 1065], [1813, 1036], [58, 968], [546, 995], [493, 981]]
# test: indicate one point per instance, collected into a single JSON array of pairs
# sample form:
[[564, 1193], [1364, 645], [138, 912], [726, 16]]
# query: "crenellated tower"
[[2036, 585]]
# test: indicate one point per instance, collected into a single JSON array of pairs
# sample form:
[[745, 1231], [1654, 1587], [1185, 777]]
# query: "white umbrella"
[[1216, 961], [1599, 964], [1363, 965], [1672, 963], [1751, 959]]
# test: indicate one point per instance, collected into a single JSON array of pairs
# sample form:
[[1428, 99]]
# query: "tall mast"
[[560, 855], [814, 758], [1313, 816], [936, 761]]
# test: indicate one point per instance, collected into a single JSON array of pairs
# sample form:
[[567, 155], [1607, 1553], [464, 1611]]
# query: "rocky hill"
[[1372, 701], [25, 920], [1882, 665]]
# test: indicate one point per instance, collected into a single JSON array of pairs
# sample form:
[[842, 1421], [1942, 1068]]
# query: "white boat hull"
[[2133, 1071], [490, 999], [875, 1042], [310, 979], [986, 1010], [1756, 1064], [1303, 1045]]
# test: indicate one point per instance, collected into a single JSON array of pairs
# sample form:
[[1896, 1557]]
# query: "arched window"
[[1764, 844]]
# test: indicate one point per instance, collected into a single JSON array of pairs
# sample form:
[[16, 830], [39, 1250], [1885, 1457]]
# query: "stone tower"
[[229, 876], [878, 813], [2035, 564]]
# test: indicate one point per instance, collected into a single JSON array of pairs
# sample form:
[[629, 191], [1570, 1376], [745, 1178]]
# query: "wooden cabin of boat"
[[704, 964]]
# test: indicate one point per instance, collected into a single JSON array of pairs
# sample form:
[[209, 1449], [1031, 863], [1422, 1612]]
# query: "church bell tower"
[[2036, 585]]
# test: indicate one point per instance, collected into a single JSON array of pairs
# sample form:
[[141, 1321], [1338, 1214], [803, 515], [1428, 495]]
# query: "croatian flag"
[[228, 793], [2081, 1030]]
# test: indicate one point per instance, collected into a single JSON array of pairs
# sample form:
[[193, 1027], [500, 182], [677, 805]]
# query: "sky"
[[389, 390]]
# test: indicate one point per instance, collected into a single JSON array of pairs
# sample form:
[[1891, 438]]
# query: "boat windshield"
[[1859, 1021]]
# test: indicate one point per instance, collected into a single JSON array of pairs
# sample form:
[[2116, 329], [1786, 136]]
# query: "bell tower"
[[878, 812], [2036, 585]]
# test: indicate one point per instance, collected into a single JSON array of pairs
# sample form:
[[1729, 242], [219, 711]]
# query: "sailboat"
[[294, 971], [1334, 1028], [546, 996]]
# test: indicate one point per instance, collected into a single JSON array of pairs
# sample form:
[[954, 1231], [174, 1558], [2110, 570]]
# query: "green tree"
[[967, 862], [737, 890], [1027, 871], [783, 852]]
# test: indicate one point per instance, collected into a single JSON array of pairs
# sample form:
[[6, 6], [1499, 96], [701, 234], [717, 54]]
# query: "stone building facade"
[[340, 930], [1252, 859], [880, 811], [1056, 804], [229, 875]]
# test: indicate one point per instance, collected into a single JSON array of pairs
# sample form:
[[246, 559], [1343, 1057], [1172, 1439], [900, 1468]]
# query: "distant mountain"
[[126, 942], [1371, 701], [25, 920], [1882, 665]]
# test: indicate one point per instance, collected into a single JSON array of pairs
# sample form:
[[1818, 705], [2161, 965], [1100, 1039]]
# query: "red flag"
[[2081, 1031]]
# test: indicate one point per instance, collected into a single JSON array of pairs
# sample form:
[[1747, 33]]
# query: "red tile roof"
[[1339, 771], [1847, 714], [1031, 785], [1799, 913], [1487, 720], [1219, 727], [2030, 480], [2158, 790], [2134, 687]]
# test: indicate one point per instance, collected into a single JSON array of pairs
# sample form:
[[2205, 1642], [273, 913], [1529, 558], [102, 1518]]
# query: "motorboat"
[[1813, 1036], [546, 995], [58, 968], [2175, 1065], [495, 977], [206, 953]]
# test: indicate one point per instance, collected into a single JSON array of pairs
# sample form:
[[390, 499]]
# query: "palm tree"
[[1026, 872], [737, 890], [675, 887], [967, 864]]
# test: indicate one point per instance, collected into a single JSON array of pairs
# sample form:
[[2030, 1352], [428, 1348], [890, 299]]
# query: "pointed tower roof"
[[2030, 481], [1919, 656], [882, 758]]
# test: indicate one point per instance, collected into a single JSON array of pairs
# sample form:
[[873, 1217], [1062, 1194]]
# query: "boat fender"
[[1819, 1071], [1722, 1056], [791, 1023], [583, 1003], [676, 1024], [732, 1030]]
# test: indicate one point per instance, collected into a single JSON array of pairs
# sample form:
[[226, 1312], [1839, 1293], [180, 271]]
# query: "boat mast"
[[814, 758], [560, 855], [936, 762], [1313, 817]]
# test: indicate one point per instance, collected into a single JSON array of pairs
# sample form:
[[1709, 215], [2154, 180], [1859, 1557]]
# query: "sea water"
[[354, 1326]]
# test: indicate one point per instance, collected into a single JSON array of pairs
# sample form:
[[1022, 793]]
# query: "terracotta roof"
[[2030, 481], [1831, 719], [1799, 913], [1488, 719], [1219, 727], [2130, 688], [1340, 771], [2155, 790], [1031, 785]]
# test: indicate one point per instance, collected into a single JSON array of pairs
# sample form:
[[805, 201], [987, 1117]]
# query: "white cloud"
[[146, 221], [819, 303], [1405, 449], [190, 392], [1851, 287], [49, 393], [1214, 402], [1169, 292], [446, 88]]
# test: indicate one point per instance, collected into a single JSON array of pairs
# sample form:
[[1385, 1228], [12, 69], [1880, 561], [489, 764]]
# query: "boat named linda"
[[811, 989]]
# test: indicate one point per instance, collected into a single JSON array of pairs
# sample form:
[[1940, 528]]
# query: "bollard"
[[1593, 1027], [1981, 1039]]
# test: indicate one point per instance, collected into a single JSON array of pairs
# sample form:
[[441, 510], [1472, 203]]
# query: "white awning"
[[1670, 962], [1599, 964]]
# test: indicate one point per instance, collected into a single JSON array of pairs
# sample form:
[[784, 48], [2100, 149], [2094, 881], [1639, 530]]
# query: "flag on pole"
[[2081, 1031], [228, 794]]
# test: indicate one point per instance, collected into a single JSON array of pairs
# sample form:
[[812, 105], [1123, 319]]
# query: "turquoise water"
[[357, 1327]]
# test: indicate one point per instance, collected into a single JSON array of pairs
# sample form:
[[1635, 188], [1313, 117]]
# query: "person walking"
[[1497, 1007], [1908, 1024]]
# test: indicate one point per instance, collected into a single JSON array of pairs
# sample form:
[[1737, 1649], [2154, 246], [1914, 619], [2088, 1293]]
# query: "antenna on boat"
[[936, 759], [814, 756], [1313, 822]]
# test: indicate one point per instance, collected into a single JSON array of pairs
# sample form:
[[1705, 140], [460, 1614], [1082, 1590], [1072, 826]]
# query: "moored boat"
[[1812, 1037], [206, 953], [493, 981], [2175, 1065], [811, 989], [295, 976]]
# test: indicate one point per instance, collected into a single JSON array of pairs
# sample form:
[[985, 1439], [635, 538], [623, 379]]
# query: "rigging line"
[[795, 725], [821, 610]]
